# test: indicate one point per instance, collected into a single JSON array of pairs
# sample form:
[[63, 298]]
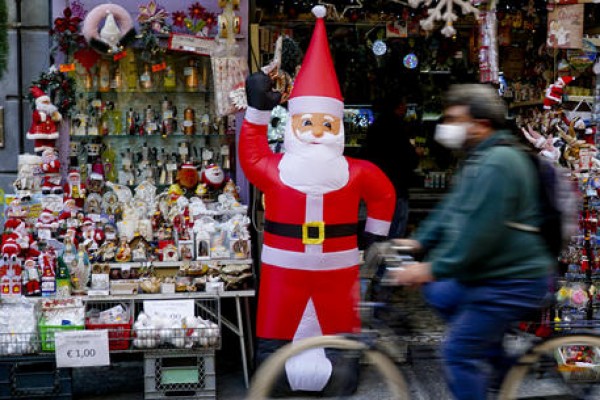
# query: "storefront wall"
[[35, 58]]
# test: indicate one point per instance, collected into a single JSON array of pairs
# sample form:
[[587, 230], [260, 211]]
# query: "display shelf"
[[139, 137], [526, 103], [172, 296], [142, 91], [589, 99], [176, 264]]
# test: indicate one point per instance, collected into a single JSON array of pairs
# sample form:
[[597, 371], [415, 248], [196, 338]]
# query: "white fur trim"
[[319, 11], [320, 104], [48, 136], [257, 117], [311, 369], [377, 226], [41, 99], [314, 212], [309, 262]]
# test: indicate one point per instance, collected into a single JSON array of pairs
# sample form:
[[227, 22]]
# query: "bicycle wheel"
[[547, 372], [267, 373]]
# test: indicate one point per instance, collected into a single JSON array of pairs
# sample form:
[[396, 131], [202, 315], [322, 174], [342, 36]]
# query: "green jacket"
[[467, 237]]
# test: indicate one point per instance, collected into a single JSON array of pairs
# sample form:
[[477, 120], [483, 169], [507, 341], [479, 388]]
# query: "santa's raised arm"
[[309, 272]]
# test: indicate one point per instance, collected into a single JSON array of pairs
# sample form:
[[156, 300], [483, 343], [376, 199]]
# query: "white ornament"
[[379, 48], [437, 14]]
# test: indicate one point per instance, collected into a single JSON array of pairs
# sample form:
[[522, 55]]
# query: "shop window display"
[[134, 132]]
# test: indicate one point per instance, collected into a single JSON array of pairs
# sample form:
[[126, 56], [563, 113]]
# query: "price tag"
[[81, 348], [159, 67], [119, 55], [190, 43], [187, 124], [66, 67], [171, 167], [175, 310]]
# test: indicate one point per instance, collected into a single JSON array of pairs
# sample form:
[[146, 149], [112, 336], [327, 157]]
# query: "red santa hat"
[[39, 95], [13, 224], [565, 80], [87, 221], [316, 88]]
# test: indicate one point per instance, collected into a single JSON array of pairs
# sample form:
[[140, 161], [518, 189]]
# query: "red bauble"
[[187, 176]]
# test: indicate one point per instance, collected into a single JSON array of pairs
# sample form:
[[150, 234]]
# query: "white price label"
[[187, 124], [171, 167], [81, 348], [175, 310]]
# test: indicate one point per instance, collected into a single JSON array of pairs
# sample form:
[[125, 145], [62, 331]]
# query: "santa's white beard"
[[314, 168], [46, 108]]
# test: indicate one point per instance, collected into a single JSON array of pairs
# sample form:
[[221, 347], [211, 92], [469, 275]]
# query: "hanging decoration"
[[65, 34], [333, 12], [152, 22], [437, 13], [60, 88], [197, 21], [489, 70], [410, 61], [116, 32]]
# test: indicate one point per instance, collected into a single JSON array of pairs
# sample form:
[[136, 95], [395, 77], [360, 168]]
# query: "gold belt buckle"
[[306, 239]]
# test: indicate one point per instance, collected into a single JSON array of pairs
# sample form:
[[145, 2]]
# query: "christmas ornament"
[[116, 32], [332, 8], [58, 86], [437, 13], [410, 61], [65, 33], [187, 176], [379, 47], [554, 92]]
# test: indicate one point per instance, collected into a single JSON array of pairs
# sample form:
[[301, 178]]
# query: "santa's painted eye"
[[307, 122], [327, 125]]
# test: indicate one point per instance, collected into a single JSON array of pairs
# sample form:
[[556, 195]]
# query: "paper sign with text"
[[175, 310], [81, 349]]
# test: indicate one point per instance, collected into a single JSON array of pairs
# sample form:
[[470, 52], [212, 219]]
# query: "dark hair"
[[483, 101]]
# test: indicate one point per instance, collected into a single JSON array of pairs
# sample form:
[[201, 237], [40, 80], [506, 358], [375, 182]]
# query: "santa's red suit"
[[293, 272], [309, 261]]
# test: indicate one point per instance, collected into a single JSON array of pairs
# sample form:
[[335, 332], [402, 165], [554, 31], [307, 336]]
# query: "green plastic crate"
[[47, 333]]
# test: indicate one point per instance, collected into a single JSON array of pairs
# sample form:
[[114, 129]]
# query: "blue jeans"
[[399, 220], [478, 315]]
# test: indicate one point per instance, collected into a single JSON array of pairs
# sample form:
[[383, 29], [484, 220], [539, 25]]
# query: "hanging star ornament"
[[438, 13], [333, 12]]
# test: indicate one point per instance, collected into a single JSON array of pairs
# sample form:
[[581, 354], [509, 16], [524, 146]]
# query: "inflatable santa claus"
[[43, 128], [309, 274]]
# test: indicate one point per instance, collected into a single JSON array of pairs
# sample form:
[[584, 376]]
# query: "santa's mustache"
[[308, 137], [47, 108]]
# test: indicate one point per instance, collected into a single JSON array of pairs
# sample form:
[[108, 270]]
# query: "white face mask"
[[452, 136]]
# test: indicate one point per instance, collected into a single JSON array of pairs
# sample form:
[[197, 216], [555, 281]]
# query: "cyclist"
[[482, 273]]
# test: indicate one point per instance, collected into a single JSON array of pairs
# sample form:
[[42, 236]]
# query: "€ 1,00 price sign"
[[81, 349]]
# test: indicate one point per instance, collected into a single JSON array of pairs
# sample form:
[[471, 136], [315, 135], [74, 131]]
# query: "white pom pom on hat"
[[319, 11]]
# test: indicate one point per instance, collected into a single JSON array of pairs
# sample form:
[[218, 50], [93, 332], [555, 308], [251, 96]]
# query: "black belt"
[[311, 232]]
